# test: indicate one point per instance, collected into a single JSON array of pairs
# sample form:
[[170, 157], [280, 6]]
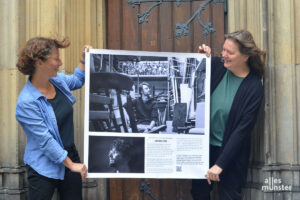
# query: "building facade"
[[275, 158]]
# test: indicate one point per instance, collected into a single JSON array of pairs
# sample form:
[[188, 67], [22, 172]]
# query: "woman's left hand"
[[213, 174]]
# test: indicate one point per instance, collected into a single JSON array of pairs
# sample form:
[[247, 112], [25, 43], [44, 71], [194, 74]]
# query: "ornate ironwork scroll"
[[145, 187], [181, 29], [144, 17]]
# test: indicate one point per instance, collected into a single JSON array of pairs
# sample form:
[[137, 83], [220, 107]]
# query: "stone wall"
[[275, 147]]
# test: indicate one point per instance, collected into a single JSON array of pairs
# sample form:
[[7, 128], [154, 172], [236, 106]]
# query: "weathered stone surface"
[[21, 20], [274, 28]]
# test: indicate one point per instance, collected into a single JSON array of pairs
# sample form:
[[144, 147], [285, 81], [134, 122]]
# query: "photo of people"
[[118, 154], [132, 93]]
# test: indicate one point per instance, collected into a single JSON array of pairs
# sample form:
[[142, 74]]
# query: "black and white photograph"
[[147, 94], [117, 154]]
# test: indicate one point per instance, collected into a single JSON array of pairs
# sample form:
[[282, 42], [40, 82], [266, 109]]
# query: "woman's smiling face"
[[51, 65], [232, 56]]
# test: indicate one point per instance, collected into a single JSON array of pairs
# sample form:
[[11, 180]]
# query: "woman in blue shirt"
[[44, 110], [236, 96]]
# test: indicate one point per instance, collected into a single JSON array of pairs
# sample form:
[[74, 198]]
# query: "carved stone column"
[[84, 22], [12, 185], [275, 147]]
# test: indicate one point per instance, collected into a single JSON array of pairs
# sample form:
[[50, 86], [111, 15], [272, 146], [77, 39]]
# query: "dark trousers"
[[42, 188], [201, 189]]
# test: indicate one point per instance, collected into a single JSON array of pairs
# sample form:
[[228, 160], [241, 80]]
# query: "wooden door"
[[159, 34]]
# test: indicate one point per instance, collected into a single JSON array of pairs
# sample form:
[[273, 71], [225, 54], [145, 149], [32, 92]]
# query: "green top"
[[221, 101]]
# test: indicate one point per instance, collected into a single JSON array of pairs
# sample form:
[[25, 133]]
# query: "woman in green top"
[[236, 95]]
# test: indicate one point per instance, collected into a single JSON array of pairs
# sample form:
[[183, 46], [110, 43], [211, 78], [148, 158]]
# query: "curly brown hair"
[[38, 48], [247, 46]]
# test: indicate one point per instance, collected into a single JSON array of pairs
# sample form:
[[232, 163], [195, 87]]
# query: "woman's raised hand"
[[204, 49], [86, 48]]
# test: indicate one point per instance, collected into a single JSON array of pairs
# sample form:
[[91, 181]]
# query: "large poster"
[[146, 114]]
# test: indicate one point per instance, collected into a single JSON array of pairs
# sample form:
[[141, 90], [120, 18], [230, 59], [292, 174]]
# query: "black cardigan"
[[235, 150]]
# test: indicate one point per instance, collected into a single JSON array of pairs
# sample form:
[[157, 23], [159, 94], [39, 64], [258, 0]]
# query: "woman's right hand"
[[204, 49]]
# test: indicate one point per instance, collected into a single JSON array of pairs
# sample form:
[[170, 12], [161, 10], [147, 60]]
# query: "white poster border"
[[196, 173]]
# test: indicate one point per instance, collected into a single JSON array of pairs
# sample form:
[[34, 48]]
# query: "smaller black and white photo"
[[109, 154]]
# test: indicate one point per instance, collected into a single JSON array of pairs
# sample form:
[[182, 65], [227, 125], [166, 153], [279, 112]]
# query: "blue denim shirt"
[[44, 150]]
